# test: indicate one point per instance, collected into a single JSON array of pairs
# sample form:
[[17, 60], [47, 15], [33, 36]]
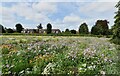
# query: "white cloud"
[[59, 0], [97, 7], [72, 19], [25, 10], [7, 17], [0, 12], [99, 10], [45, 7], [107, 0]]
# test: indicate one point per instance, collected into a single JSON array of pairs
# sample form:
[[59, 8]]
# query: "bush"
[[116, 41]]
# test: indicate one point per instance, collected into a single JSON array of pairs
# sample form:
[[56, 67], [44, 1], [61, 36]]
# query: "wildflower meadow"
[[25, 55]]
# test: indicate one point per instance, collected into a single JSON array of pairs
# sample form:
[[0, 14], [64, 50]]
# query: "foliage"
[[35, 31], [100, 28], [58, 55], [49, 28], [39, 26], [110, 32], [67, 31], [9, 30], [116, 27], [83, 29], [73, 31], [19, 27], [2, 30], [94, 30]]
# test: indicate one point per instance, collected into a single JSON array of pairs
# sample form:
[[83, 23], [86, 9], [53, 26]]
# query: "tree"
[[19, 27], [110, 32], [67, 30], [83, 29], [34, 31], [116, 27], [73, 31], [49, 28], [39, 26], [9, 30], [94, 30], [2, 30], [100, 28]]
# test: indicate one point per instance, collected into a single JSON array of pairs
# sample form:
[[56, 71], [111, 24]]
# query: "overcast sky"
[[60, 14]]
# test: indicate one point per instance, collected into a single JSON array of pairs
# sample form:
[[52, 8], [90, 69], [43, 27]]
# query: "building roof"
[[42, 29], [52, 29], [29, 29]]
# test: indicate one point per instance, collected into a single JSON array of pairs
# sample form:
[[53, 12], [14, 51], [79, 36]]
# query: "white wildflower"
[[9, 72], [80, 68], [21, 71], [44, 50], [7, 65], [91, 67], [48, 68], [102, 72], [89, 52], [105, 59], [18, 53], [84, 65], [102, 55]]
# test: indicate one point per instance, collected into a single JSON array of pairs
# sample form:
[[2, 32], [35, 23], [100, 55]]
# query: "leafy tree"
[[100, 28], [2, 30], [73, 31], [62, 31], [67, 30], [9, 30], [39, 26], [49, 28], [34, 31], [19, 27], [83, 29], [110, 32], [94, 30], [116, 27]]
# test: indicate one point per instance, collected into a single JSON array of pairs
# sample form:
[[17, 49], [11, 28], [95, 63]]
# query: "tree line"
[[19, 28], [100, 28]]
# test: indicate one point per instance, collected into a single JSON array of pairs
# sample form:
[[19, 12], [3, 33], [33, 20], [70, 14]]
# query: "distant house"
[[28, 31], [56, 31], [14, 30], [53, 31], [41, 31]]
